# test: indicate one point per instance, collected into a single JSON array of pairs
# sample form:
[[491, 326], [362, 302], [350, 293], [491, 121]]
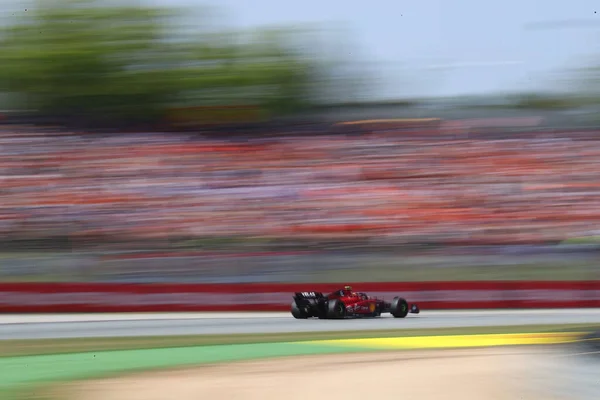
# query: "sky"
[[445, 47], [438, 48]]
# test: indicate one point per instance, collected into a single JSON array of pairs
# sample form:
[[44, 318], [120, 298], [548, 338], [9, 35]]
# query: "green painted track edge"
[[18, 380]]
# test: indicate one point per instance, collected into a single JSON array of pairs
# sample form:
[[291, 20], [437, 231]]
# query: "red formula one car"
[[345, 303]]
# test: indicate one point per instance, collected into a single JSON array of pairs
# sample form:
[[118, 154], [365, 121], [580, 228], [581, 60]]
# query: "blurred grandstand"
[[418, 180]]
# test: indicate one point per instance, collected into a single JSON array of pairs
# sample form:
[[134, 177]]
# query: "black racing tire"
[[336, 309], [297, 312], [399, 308], [322, 314]]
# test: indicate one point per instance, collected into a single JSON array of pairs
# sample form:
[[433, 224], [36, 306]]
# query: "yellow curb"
[[454, 341]]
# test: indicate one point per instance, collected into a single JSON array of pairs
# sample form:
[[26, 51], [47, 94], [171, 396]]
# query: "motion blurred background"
[[278, 142]]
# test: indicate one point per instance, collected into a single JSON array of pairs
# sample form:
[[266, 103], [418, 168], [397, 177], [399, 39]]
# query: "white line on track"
[[101, 317]]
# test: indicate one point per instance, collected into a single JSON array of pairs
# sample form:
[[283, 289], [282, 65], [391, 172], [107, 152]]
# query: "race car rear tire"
[[399, 308], [336, 309], [322, 314], [297, 312]]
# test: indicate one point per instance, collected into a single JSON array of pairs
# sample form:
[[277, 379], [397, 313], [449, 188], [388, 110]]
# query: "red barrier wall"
[[112, 297]]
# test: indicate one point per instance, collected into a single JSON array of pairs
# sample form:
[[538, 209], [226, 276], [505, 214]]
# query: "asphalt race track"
[[113, 325]]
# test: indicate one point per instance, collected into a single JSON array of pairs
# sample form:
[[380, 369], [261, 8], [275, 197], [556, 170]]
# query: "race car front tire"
[[297, 312], [399, 308]]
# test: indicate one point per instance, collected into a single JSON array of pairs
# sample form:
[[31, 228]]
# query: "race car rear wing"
[[309, 295], [303, 299]]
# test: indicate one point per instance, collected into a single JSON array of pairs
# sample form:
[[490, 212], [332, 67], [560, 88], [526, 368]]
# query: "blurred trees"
[[96, 63]]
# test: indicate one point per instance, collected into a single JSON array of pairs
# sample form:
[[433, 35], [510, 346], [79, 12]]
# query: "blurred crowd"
[[380, 186]]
